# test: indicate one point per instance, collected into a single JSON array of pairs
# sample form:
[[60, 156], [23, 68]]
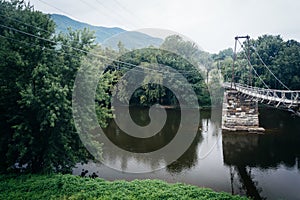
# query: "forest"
[[38, 68]]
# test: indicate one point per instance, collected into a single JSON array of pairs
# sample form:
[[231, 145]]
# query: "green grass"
[[74, 187]]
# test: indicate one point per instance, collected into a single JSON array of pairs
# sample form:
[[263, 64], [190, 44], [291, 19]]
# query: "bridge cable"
[[249, 62], [210, 150], [269, 69]]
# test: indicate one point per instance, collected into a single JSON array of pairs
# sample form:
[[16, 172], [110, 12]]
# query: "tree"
[[20, 55], [281, 57], [187, 50], [148, 59], [38, 69], [287, 64]]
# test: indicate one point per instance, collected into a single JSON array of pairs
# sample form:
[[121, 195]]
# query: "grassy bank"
[[75, 187]]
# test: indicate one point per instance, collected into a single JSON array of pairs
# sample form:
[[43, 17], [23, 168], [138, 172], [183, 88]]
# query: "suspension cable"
[[249, 62], [269, 69]]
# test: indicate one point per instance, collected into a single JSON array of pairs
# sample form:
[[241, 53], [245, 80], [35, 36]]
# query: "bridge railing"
[[288, 97]]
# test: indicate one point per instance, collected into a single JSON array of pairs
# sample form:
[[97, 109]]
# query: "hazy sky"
[[212, 24]]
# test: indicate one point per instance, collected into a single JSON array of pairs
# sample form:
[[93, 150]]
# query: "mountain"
[[107, 36], [132, 40], [63, 23]]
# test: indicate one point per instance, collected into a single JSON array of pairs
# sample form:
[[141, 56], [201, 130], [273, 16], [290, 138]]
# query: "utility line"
[[44, 2], [77, 49], [112, 11], [37, 45], [29, 25], [120, 5], [87, 52]]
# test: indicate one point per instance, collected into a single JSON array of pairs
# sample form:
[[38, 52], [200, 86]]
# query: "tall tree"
[[21, 54], [37, 71]]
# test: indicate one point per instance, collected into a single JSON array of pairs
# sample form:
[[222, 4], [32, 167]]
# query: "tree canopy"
[[37, 72], [179, 55], [281, 57]]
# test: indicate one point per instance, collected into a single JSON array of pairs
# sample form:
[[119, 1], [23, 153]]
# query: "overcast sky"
[[212, 24]]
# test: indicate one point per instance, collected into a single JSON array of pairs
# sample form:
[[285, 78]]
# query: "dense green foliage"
[[282, 58], [149, 94], [182, 56], [37, 72], [74, 187]]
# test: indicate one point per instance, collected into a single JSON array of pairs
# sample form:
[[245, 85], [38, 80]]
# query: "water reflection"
[[144, 145], [278, 146], [188, 159], [264, 151], [257, 165], [167, 136]]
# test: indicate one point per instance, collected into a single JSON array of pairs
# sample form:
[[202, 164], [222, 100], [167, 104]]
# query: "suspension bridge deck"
[[283, 98], [240, 103]]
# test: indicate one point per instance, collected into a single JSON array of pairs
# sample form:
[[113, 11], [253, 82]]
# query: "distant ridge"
[[108, 36], [101, 33], [132, 40]]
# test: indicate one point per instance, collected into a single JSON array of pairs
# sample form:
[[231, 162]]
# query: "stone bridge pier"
[[240, 113]]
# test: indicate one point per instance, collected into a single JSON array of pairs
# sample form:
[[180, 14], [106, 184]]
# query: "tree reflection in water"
[[256, 165], [279, 145]]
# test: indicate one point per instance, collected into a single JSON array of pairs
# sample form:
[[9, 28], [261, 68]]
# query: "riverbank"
[[74, 187]]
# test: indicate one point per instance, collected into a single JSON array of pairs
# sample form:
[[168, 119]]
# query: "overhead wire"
[[102, 31], [44, 2], [77, 49], [115, 13], [120, 5], [49, 49], [129, 64], [37, 45], [29, 25], [88, 52]]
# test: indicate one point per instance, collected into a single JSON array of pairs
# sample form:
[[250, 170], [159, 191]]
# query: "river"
[[262, 166]]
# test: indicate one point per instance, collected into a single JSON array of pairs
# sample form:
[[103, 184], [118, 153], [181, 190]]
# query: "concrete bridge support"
[[239, 113]]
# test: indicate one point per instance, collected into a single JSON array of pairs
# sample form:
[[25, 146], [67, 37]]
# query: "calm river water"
[[263, 166]]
